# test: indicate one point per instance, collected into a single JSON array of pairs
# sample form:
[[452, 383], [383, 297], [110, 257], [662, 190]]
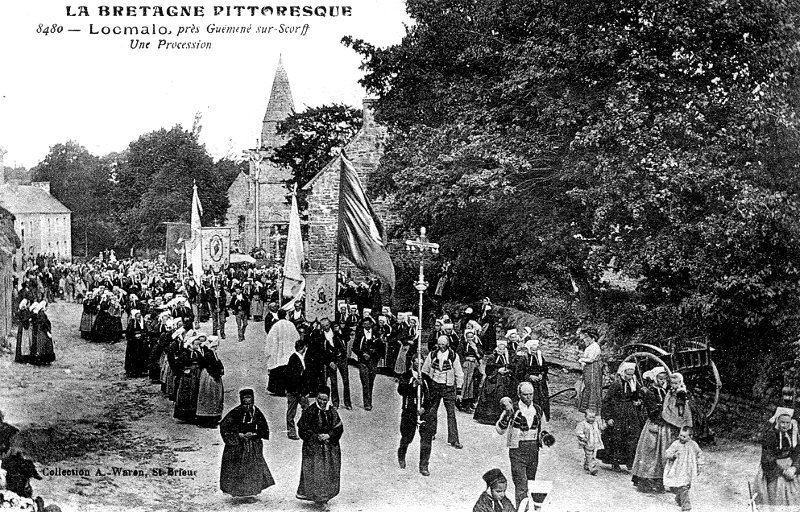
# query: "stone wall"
[[364, 151], [273, 208], [240, 206], [8, 246]]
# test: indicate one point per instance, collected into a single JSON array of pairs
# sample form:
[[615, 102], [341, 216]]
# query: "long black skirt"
[[244, 471]]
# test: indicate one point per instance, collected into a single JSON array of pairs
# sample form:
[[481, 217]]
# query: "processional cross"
[[423, 246]]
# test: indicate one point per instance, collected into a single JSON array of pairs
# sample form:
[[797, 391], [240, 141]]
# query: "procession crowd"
[[641, 421]]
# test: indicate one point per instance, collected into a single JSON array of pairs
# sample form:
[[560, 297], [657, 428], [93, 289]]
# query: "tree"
[[154, 180], [80, 181], [314, 136], [658, 136]]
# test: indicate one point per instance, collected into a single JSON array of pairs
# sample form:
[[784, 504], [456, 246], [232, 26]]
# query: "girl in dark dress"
[[499, 383], [158, 351], [470, 354], [136, 352], [24, 332], [104, 329], [210, 395], [42, 350], [88, 316], [188, 362], [533, 368]]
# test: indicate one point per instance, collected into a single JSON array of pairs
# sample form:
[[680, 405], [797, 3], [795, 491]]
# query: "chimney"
[[369, 111], [44, 185]]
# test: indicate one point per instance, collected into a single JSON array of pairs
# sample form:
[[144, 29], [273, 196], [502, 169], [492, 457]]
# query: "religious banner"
[[320, 296], [216, 248], [177, 234]]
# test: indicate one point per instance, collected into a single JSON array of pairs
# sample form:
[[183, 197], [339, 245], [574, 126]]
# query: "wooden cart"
[[692, 358]]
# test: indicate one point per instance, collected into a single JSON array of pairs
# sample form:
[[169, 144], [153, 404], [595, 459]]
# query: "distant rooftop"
[[29, 199]]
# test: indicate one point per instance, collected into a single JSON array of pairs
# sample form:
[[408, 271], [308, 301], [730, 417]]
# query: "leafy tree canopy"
[[120, 200], [80, 181], [548, 139], [314, 136], [155, 177]]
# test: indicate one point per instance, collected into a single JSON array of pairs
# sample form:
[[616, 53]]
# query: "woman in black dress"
[[622, 410], [244, 471], [500, 382]]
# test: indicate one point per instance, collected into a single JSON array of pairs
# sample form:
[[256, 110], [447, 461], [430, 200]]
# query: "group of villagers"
[[644, 424]]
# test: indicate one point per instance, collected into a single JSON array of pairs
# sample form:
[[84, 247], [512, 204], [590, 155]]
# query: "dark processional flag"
[[362, 239]]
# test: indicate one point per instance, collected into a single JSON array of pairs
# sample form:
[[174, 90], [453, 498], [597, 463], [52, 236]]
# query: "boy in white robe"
[[684, 458]]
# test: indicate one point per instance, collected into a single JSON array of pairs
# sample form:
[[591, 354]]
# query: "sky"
[[96, 90]]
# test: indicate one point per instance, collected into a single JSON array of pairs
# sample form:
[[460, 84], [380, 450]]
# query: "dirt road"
[[104, 442]]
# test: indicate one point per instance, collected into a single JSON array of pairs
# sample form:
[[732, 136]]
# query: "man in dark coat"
[[368, 349], [327, 353], [184, 311], [240, 307], [270, 316], [218, 305], [297, 386], [321, 429], [411, 410], [244, 471], [193, 295]]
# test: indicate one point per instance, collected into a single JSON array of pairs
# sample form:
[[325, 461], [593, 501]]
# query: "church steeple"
[[279, 107]]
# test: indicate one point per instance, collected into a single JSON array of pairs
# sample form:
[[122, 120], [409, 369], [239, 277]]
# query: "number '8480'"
[[49, 29]]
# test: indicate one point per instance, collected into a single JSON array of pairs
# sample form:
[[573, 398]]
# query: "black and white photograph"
[[385, 255]]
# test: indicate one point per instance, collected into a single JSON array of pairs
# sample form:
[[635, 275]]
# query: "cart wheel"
[[709, 382], [640, 358]]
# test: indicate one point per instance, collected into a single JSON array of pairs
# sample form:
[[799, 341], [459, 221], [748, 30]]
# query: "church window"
[[241, 224]]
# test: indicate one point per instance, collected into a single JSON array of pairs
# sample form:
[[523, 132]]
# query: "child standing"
[[682, 467], [588, 434]]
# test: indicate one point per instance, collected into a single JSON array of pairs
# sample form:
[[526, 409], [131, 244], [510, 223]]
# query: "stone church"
[[265, 185]]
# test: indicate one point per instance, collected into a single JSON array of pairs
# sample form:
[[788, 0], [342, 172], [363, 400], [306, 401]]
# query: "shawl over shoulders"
[[486, 504]]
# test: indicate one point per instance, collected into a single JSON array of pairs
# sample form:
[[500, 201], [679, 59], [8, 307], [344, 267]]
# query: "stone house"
[[42, 222], [364, 151]]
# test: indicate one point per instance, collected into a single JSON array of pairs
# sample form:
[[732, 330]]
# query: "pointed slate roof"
[[279, 107]]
